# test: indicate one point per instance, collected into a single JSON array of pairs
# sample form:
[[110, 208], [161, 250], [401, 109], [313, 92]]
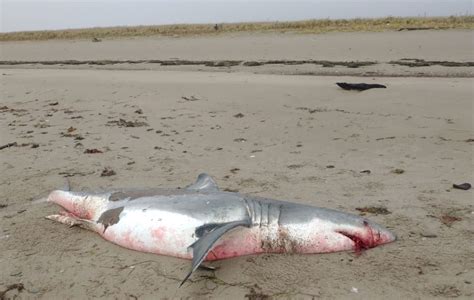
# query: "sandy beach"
[[274, 130]]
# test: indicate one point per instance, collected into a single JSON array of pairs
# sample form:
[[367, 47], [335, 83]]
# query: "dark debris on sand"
[[15, 144], [376, 210], [107, 172], [449, 220], [16, 286], [125, 123], [92, 151], [191, 98], [8, 145], [359, 86], [463, 186], [256, 295]]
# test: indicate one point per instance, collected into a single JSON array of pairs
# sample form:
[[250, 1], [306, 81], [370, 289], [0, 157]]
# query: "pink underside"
[[251, 243], [166, 242], [239, 242]]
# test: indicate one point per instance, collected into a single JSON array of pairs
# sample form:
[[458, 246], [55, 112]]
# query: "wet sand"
[[291, 137]]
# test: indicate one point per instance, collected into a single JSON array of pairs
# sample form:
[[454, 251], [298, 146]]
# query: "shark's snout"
[[380, 234]]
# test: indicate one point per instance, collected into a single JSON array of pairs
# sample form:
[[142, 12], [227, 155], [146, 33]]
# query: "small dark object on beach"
[[376, 210], [398, 171], [125, 123], [359, 86], [192, 98], [415, 28], [463, 186], [107, 172], [365, 171], [92, 151], [449, 220], [8, 145], [15, 286], [256, 295], [385, 138]]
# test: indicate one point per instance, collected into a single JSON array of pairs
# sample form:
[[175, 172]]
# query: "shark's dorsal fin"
[[203, 245], [204, 182]]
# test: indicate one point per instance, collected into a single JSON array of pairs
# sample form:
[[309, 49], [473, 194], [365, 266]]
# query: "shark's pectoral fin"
[[203, 245], [204, 182]]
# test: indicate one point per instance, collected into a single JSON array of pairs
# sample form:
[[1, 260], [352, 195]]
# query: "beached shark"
[[200, 222]]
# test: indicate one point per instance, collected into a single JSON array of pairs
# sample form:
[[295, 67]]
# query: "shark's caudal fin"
[[204, 182], [202, 246]]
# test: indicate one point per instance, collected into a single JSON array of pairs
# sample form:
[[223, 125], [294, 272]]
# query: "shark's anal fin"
[[202, 246], [204, 182]]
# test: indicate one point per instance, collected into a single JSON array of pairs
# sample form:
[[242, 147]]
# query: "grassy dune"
[[309, 26]]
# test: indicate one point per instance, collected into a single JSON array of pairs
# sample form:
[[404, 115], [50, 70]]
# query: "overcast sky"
[[17, 15]]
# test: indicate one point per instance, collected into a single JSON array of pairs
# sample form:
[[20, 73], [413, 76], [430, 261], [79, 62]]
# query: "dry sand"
[[292, 129], [381, 46]]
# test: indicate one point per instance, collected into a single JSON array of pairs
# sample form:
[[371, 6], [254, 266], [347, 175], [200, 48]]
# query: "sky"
[[20, 15]]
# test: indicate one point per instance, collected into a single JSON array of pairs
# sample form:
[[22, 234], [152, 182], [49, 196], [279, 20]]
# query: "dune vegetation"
[[308, 26]]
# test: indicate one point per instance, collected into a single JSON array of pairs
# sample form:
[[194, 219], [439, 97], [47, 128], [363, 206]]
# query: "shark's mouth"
[[364, 240], [360, 243]]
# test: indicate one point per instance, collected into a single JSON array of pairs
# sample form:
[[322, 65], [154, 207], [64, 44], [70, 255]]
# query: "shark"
[[203, 223]]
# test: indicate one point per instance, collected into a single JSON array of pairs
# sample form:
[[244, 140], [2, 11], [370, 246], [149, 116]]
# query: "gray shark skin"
[[200, 222]]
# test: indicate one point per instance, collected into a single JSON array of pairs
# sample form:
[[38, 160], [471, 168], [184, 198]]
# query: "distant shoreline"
[[307, 26]]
